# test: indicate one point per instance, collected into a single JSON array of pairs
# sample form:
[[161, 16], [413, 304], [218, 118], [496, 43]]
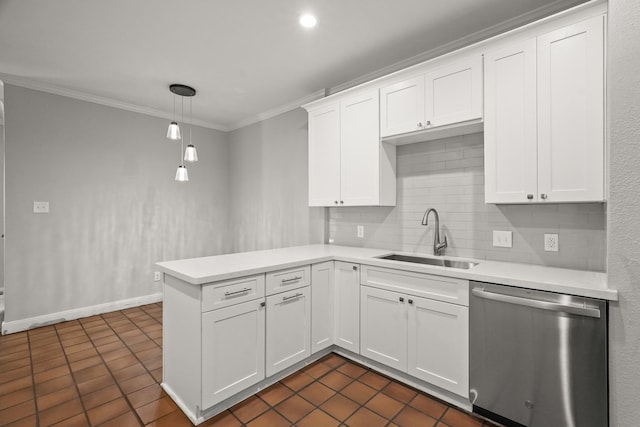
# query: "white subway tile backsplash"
[[448, 175]]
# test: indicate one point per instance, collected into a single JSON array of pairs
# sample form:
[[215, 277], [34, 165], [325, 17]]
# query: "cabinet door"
[[453, 93], [347, 306], [510, 143], [383, 334], [322, 276], [402, 107], [360, 150], [438, 344], [571, 113], [324, 155], [232, 350], [288, 329]]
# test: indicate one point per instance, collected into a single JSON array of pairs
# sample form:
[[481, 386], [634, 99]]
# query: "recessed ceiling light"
[[308, 20]]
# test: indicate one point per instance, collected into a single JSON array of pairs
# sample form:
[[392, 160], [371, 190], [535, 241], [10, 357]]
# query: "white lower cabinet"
[[347, 306], [438, 344], [233, 341], [383, 335], [425, 338], [322, 278], [288, 329]]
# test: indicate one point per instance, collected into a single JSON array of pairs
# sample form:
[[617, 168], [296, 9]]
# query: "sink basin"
[[465, 265]]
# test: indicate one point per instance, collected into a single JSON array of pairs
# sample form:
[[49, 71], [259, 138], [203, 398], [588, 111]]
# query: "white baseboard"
[[76, 313]]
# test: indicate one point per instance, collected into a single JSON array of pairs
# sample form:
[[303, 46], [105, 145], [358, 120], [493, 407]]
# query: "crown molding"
[[278, 110], [478, 36], [109, 102]]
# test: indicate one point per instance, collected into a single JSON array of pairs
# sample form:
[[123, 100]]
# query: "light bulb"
[[308, 21], [190, 154], [181, 174], [173, 133]]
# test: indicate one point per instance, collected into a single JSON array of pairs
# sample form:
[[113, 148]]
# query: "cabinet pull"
[[410, 301], [428, 123], [355, 267], [293, 279], [241, 291], [291, 297], [342, 202], [262, 304], [419, 125], [336, 202], [401, 299], [543, 196], [530, 196]]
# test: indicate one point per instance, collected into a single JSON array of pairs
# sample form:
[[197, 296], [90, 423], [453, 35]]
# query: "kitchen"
[[108, 204]]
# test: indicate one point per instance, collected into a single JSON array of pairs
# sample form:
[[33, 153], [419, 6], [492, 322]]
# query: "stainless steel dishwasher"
[[537, 359]]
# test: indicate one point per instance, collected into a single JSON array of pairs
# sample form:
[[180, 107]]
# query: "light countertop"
[[198, 271]]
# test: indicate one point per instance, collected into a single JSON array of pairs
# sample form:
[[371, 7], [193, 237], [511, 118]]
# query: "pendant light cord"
[[182, 139]]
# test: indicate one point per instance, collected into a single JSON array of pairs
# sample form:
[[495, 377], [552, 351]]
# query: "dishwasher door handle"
[[534, 303]]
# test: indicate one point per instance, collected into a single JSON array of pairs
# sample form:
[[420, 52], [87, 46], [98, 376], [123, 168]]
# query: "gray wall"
[[624, 207], [268, 185], [448, 175], [115, 208]]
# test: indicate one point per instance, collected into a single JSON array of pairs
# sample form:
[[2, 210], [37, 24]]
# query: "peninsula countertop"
[[198, 271]]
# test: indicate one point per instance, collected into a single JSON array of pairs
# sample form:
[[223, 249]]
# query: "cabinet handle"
[[293, 279], [241, 291], [530, 196], [291, 297], [401, 299], [543, 196], [262, 304], [410, 301], [355, 267], [419, 125], [428, 123], [336, 202], [342, 202]]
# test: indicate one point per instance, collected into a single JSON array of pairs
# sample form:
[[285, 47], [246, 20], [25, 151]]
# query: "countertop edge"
[[599, 292]]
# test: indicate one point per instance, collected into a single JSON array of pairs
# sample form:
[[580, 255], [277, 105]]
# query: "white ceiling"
[[244, 57]]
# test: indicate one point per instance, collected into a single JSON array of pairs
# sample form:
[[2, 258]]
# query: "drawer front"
[[285, 280], [440, 288], [229, 292]]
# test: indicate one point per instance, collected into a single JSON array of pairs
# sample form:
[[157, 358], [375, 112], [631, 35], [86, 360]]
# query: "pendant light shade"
[[181, 174], [190, 154], [173, 133]]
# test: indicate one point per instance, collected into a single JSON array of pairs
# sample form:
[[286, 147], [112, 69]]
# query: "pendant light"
[[174, 133]]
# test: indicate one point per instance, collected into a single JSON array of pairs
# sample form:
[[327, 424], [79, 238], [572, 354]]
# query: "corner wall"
[[115, 208], [269, 185], [624, 209]]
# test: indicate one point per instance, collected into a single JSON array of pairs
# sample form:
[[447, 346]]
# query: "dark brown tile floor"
[[105, 371]]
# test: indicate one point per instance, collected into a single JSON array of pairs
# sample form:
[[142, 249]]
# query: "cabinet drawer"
[[285, 280], [441, 288], [229, 292]]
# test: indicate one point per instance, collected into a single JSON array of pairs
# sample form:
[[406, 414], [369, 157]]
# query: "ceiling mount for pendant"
[[182, 90]]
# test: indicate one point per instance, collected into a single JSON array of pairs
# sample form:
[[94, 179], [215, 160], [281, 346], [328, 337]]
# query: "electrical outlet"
[[41, 207], [551, 242], [157, 276], [361, 231], [502, 239]]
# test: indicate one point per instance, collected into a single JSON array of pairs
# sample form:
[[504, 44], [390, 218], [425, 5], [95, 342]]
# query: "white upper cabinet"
[[510, 124], [348, 164], [402, 106], [324, 155], [571, 113], [443, 94], [453, 92], [544, 117]]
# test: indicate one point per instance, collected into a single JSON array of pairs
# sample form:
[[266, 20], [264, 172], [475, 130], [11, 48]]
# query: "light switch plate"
[[361, 231], [502, 239], [41, 207], [551, 242]]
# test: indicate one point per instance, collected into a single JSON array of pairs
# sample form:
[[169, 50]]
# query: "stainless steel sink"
[[465, 265]]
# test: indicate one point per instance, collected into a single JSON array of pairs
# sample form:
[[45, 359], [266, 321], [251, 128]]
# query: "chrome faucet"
[[438, 246]]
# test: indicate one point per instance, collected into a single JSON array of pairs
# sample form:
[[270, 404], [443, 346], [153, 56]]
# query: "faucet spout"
[[438, 246]]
